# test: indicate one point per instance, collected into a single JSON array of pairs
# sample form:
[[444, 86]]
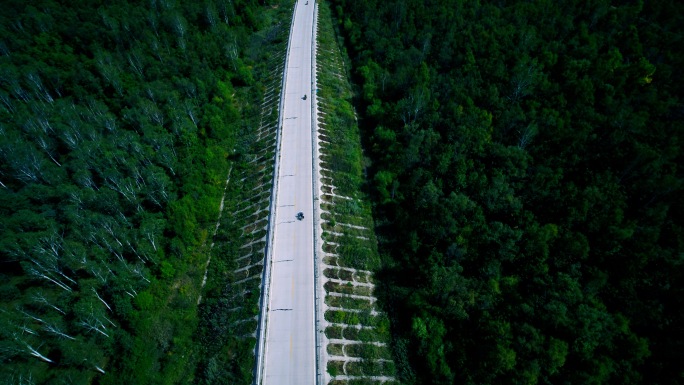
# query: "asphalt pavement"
[[289, 355]]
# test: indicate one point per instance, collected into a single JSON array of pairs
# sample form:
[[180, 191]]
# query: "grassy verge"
[[229, 310], [359, 330]]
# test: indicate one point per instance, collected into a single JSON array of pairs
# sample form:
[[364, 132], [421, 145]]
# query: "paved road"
[[289, 354]]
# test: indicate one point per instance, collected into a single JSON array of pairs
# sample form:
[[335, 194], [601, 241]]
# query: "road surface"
[[289, 355]]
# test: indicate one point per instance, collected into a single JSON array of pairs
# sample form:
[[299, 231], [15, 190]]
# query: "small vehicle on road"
[[300, 215], [304, 97]]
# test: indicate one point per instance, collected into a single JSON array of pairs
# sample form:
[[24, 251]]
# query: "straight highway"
[[288, 355]]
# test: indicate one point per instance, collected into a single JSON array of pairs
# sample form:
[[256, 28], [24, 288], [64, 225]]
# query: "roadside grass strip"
[[356, 333], [230, 305]]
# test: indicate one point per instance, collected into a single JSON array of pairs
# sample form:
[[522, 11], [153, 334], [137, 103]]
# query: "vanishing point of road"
[[288, 353]]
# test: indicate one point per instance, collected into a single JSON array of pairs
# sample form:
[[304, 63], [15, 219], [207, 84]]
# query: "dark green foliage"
[[230, 302], [116, 123], [527, 177]]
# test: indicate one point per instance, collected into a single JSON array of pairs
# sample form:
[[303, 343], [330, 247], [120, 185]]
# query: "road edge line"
[[319, 371]]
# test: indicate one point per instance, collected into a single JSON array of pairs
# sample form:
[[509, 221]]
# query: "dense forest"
[[526, 163], [117, 124]]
